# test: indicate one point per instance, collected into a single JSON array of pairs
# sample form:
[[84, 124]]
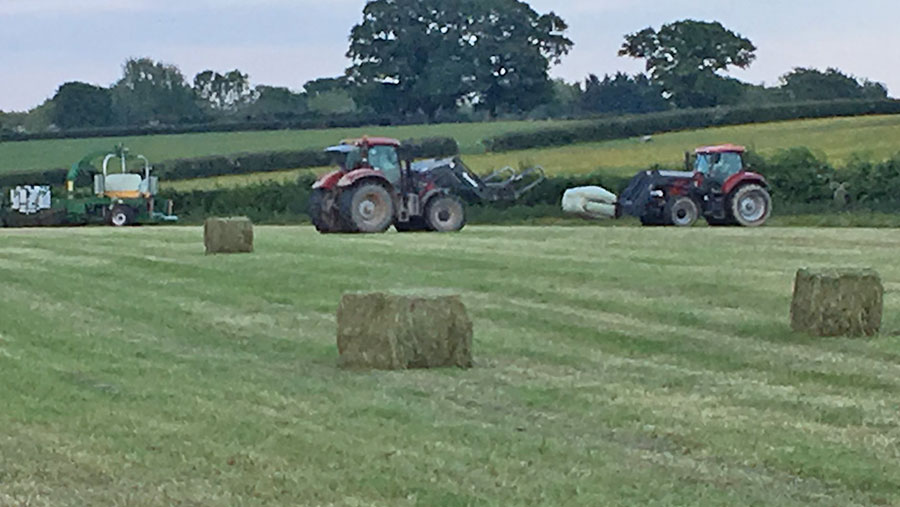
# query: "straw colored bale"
[[837, 302], [397, 332], [228, 235]]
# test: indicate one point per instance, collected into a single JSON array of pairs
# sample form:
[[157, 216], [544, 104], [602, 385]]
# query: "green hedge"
[[241, 163], [670, 121], [800, 183], [349, 120]]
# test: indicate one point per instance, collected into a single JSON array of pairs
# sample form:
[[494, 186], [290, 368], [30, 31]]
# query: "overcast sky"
[[44, 43]]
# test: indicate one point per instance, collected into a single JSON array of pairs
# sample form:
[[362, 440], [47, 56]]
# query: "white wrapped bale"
[[590, 202], [397, 332], [837, 302], [228, 235]]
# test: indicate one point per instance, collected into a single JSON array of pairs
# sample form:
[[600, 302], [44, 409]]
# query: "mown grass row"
[[614, 366]]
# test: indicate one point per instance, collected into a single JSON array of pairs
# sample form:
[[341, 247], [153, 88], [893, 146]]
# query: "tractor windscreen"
[[718, 166], [385, 159]]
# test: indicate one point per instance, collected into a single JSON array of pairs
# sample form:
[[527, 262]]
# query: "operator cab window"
[[385, 159], [719, 166]]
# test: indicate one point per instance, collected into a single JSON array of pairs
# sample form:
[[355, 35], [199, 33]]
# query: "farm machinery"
[[118, 199], [717, 186], [377, 185]]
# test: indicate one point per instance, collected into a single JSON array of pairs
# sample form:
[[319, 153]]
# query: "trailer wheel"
[[321, 213], [445, 213], [750, 205], [366, 207], [121, 215], [682, 211]]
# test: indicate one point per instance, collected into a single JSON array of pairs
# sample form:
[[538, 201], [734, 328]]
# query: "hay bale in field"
[[228, 235], [397, 332], [837, 302]]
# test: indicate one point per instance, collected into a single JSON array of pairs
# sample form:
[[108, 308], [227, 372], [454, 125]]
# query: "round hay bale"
[[397, 332], [228, 235], [837, 302]]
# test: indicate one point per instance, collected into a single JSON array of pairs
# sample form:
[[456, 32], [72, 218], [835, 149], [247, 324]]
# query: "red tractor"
[[377, 184], [719, 188], [373, 189]]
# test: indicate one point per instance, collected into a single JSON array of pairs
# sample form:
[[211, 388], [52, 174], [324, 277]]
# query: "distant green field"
[[46, 154], [875, 137], [614, 366]]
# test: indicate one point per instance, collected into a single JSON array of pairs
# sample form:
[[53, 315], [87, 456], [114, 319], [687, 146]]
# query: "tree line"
[[449, 60]]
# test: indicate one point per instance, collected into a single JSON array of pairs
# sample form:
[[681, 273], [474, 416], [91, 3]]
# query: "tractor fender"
[[431, 193], [741, 178], [352, 177], [329, 180]]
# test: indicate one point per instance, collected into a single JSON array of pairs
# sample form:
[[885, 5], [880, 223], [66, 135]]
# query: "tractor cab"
[[718, 163], [380, 154]]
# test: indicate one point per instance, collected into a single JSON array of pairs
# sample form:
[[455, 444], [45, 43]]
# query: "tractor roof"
[[372, 141], [721, 148]]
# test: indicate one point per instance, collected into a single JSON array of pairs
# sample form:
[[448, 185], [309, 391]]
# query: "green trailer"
[[117, 199]]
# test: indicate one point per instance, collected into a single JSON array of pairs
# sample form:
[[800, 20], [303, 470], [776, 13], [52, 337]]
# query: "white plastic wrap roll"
[[590, 202]]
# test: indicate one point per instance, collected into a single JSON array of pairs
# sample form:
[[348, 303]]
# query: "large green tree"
[[812, 84], [494, 53], [79, 105], [152, 91], [224, 92], [684, 57], [622, 94], [276, 103]]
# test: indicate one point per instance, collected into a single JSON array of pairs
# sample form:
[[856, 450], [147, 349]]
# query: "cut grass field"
[[615, 366], [837, 139]]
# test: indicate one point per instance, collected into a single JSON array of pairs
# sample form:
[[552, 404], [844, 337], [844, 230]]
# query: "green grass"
[[46, 154], [615, 366], [873, 137]]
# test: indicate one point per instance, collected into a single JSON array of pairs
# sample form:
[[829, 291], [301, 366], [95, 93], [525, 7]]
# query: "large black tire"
[[682, 211], [366, 207], [120, 216], [445, 213], [322, 213], [415, 224], [750, 205]]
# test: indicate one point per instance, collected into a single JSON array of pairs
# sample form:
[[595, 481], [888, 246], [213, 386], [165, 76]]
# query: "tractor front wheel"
[[682, 211], [321, 212], [445, 213], [121, 215], [750, 205], [367, 207]]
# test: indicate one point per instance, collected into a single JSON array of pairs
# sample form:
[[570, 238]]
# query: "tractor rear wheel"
[[321, 213], [682, 211], [750, 205], [445, 213], [121, 215], [366, 207]]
